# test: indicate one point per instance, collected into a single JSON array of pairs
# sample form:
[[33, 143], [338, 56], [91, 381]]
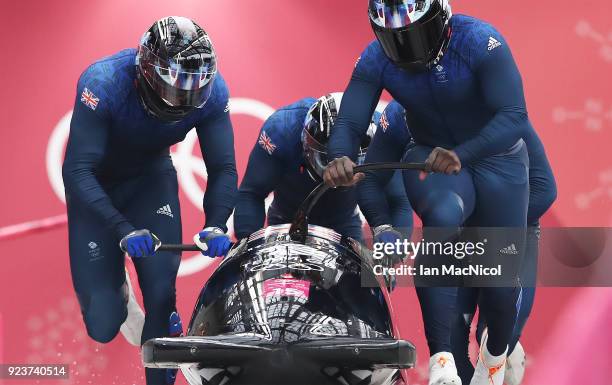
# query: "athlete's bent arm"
[[387, 145], [358, 105], [263, 174], [502, 89], [84, 154], [216, 138]]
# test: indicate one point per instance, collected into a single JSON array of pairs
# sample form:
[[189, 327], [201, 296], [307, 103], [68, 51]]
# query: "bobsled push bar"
[[299, 226], [173, 247]]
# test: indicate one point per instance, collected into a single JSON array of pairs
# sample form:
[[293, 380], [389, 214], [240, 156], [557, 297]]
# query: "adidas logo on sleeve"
[[165, 210], [493, 43]]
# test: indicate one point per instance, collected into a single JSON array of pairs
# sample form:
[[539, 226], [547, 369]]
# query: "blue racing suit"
[[389, 144], [276, 164], [119, 177], [472, 102]]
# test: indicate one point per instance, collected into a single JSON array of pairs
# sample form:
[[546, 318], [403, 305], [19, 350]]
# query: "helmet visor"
[[186, 82], [397, 13]]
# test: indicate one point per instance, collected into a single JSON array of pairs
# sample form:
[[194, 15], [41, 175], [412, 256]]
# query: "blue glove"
[[387, 234], [213, 242], [176, 325], [138, 243]]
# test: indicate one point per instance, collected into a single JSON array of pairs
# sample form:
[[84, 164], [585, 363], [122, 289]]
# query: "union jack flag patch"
[[89, 99], [384, 122], [266, 143]]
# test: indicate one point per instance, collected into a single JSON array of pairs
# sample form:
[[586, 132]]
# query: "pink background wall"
[[275, 52]]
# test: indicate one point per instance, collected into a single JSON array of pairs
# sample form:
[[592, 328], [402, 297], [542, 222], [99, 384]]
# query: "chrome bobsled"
[[287, 306], [278, 311]]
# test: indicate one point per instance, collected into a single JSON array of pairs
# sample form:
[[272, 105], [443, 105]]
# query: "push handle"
[[299, 226], [173, 247]]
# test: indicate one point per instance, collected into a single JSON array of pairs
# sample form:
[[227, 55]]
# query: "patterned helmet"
[[318, 124], [176, 67]]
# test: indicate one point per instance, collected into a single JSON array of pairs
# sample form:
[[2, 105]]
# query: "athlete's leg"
[[502, 191], [466, 307], [443, 202], [542, 185], [542, 194], [528, 281], [157, 274], [98, 273], [515, 364]]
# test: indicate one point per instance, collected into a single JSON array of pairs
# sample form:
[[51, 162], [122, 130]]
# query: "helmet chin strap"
[[443, 49], [446, 7]]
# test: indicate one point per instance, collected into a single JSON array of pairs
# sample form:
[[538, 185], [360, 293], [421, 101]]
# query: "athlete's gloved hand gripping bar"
[[213, 242], [156, 244]]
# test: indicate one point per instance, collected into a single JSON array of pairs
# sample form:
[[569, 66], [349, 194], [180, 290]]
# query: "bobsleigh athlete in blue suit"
[[463, 95], [389, 144], [121, 186], [288, 159]]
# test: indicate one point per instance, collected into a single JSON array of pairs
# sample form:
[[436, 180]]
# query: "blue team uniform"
[[119, 177], [276, 164], [390, 143], [471, 102]]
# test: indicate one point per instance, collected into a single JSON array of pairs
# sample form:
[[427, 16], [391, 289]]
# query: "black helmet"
[[317, 129], [176, 67], [413, 33]]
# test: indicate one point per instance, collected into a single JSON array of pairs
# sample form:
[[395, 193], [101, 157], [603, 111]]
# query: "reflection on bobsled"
[[281, 311]]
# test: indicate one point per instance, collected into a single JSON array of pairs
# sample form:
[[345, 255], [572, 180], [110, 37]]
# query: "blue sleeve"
[[399, 205], [358, 103], [388, 145], [85, 152], [216, 136], [264, 171], [502, 90]]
